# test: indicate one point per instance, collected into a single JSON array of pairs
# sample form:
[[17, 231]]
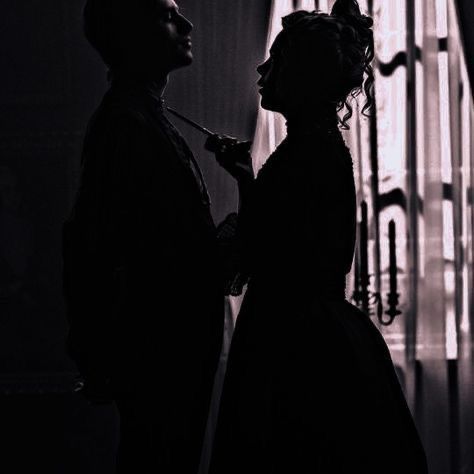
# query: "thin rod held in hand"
[[191, 122]]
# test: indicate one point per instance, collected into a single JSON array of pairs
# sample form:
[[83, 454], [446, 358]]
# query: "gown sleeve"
[[233, 236]]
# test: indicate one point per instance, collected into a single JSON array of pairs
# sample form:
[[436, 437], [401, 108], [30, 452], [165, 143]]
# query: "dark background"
[[50, 83]]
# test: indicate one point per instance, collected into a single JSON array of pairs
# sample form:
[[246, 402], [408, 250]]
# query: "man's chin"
[[188, 58], [184, 60]]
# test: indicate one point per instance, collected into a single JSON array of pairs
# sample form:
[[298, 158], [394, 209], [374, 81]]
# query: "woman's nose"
[[261, 69], [264, 67]]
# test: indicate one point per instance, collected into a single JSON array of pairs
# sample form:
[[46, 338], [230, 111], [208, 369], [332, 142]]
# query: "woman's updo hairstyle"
[[343, 47]]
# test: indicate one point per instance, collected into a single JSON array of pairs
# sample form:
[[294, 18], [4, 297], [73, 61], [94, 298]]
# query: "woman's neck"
[[318, 118]]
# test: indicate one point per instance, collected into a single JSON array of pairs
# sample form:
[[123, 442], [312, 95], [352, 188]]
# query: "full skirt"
[[310, 388]]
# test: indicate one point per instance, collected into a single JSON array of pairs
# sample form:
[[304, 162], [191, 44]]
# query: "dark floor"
[[56, 434]]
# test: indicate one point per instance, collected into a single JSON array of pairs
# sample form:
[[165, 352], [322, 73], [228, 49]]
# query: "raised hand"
[[233, 155]]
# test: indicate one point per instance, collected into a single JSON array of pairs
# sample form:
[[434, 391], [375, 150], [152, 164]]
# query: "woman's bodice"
[[298, 229]]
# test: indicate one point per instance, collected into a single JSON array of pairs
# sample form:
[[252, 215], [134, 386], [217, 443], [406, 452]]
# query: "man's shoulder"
[[117, 112], [118, 120], [123, 129]]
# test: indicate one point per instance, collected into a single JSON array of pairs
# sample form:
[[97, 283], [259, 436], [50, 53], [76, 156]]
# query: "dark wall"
[[51, 82]]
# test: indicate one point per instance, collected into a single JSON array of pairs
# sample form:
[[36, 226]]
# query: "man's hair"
[[105, 21]]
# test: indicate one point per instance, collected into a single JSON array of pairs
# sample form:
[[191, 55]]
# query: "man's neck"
[[156, 85]]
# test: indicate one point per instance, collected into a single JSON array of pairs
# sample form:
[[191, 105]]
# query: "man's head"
[[143, 37]]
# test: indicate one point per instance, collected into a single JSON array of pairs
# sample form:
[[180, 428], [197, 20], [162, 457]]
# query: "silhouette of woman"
[[310, 385]]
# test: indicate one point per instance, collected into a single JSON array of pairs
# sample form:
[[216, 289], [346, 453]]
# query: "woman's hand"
[[233, 155]]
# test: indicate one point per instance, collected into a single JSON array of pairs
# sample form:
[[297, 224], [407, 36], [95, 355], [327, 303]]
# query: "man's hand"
[[233, 155]]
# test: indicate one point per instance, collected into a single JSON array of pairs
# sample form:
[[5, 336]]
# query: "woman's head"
[[319, 61]]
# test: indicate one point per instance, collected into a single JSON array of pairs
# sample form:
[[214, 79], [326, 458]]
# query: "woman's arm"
[[234, 156]]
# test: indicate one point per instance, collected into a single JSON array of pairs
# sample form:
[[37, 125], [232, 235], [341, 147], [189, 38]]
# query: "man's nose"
[[184, 25]]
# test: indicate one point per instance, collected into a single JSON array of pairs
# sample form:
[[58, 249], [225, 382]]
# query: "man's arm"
[[99, 239]]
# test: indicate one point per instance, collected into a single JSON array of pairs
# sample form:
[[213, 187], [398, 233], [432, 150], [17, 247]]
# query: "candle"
[[392, 256], [356, 272], [356, 293], [364, 260]]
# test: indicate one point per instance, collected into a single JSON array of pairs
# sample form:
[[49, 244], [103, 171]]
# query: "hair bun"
[[349, 11], [346, 7]]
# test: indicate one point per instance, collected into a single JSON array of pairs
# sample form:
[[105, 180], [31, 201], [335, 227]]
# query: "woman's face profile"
[[288, 79], [272, 80]]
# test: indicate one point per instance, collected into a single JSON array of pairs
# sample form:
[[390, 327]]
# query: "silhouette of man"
[[142, 279]]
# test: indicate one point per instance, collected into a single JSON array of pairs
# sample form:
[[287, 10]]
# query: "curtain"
[[460, 287], [414, 165], [443, 165]]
